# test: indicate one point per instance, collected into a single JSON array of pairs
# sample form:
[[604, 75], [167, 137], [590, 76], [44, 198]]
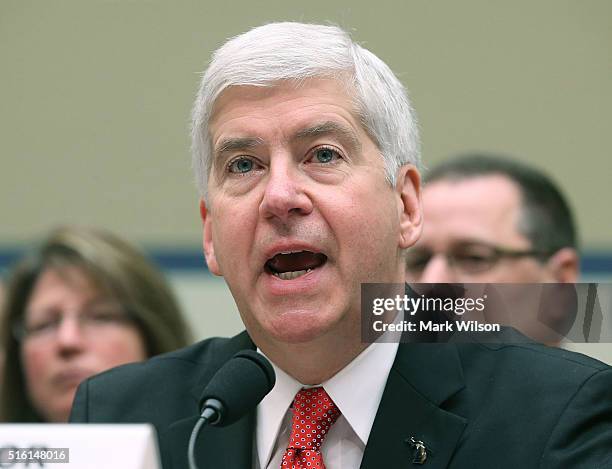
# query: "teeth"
[[291, 275]]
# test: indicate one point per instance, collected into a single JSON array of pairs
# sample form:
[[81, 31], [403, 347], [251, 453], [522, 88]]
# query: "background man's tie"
[[313, 414]]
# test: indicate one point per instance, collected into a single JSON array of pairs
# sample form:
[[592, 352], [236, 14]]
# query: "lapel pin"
[[420, 450]]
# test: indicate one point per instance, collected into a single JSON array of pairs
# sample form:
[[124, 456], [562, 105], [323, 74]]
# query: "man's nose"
[[285, 194], [438, 270]]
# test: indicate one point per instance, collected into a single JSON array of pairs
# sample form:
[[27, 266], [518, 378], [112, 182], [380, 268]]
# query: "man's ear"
[[207, 241], [564, 266], [410, 208]]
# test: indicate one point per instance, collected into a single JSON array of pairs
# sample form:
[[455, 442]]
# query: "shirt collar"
[[356, 389], [271, 411]]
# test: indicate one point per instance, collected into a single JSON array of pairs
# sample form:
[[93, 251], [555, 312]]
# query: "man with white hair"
[[306, 152]]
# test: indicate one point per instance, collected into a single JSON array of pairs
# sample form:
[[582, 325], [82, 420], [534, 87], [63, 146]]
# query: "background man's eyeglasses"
[[472, 258]]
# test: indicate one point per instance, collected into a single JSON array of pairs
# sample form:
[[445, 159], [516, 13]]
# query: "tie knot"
[[313, 413]]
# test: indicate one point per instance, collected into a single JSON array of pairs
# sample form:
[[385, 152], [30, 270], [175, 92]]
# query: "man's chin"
[[301, 327]]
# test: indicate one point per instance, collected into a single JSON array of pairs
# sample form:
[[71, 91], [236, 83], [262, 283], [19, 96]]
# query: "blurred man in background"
[[492, 219]]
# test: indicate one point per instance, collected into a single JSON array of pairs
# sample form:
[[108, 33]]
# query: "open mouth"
[[291, 265]]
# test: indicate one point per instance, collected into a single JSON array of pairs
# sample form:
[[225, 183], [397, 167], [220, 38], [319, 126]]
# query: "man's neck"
[[312, 363]]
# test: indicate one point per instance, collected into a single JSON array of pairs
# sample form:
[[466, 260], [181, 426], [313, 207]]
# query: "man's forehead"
[[483, 208], [492, 192], [338, 87], [321, 106]]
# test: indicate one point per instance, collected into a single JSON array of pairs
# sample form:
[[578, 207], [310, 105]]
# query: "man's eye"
[[241, 165], [472, 259], [325, 155], [418, 263], [417, 259]]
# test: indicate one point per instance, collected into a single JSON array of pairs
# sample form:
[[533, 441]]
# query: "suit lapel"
[[216, 447], [423, 376]]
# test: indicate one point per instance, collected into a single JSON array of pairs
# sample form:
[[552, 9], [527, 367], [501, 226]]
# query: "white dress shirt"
[[356, 390]]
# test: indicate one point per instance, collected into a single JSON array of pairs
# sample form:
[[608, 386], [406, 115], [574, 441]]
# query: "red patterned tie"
[[313, 413]]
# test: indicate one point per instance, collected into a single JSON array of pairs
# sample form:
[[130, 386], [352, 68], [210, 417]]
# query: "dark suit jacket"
[[473, 405]]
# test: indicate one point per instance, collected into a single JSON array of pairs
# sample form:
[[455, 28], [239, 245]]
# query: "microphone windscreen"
[[240, 384]]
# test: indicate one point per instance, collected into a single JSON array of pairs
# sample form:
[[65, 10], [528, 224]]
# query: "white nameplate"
[[93, 446]]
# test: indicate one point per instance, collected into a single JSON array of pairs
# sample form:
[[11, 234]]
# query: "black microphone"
[[235, 389]]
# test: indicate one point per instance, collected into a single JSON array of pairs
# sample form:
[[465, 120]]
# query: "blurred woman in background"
[[84, 302]]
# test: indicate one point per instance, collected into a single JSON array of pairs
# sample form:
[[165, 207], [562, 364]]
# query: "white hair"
[[274, 52]]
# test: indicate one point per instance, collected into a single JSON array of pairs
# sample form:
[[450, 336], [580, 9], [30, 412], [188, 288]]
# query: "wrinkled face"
[[300, 213], [468, 217], [73, 332]]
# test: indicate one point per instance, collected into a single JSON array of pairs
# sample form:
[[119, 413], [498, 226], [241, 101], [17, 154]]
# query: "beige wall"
[[95, 98]]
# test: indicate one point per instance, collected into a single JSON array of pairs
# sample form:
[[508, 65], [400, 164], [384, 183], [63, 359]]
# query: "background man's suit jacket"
[[473, 405]]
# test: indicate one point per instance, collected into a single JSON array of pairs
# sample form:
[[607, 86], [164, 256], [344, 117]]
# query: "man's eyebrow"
[[330, 127], [237, 143]]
